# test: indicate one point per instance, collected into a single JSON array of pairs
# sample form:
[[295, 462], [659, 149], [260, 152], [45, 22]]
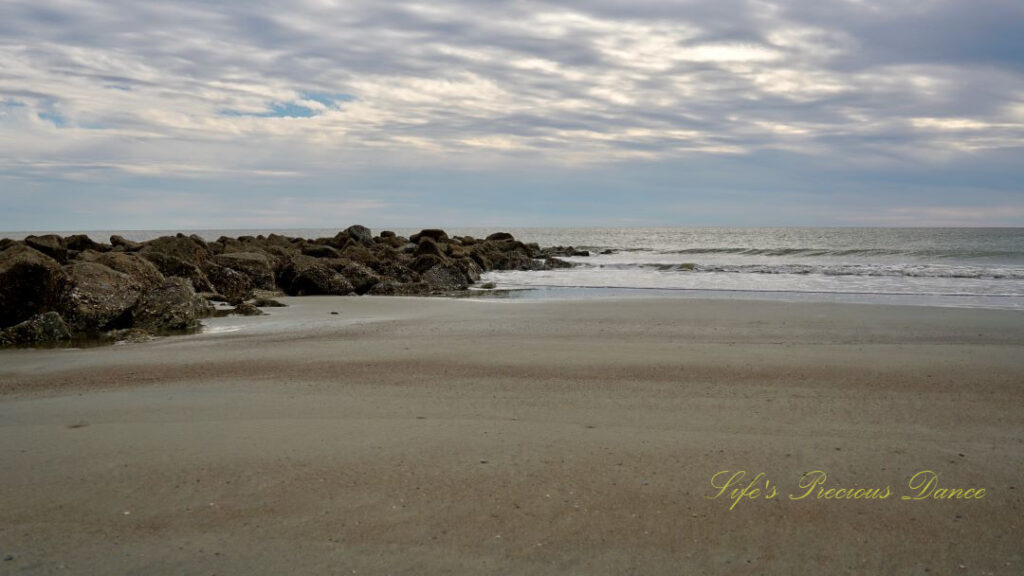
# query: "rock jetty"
[[55, 288]]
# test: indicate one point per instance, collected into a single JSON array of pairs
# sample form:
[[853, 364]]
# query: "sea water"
[[970, 267]]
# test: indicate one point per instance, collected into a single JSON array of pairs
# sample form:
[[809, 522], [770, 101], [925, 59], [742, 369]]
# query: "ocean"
[[964, 267]]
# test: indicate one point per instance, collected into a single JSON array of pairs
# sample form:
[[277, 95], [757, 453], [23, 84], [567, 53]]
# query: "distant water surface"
[[972, 267]]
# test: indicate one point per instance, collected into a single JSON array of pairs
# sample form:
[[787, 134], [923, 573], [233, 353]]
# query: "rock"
[[129, 336], [142, 270], [470, 268], [81, 243], [234, 285], [304, 275], [191, 250], [124, 243], [340, 241], [455, 250], [500, 236], [46, 328], [171, 266], [278, 255], [225, 244], [320, 251], [246, 309], [488, 286], [361, 277], [390, 288], [482, 260], [394, 242], [564, 251], [423, 263], [446, 276], [100, 298], [502, 255], [390, 268], [279, 240], [428, 247], [255, 266], [512, 260], [387, 234], [267, 303], [358, 253], [360, 234], [204, 308], [50, 244], [212, 296], [433, 233], [30, 283], [171, 307], [555, 264]]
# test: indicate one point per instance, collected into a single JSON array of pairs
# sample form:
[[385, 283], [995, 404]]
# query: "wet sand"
[[433, 436]]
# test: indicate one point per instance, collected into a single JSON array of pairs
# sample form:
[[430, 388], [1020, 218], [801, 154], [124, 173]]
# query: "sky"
[[198, 114]]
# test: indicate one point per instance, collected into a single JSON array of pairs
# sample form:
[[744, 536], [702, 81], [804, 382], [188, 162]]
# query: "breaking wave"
[[894, 270]]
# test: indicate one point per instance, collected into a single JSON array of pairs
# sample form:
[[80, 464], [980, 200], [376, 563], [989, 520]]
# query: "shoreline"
[[568, 293]]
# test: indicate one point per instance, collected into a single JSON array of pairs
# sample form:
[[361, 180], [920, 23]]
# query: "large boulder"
[[232, 284], [320, 251], [190, 249], [446, 276], [391, 241], [391, 288], [361, 277], [171, 266], [307, 276], [433, 233], [425, 262], [100, 298], [391, 268], [254, 265], [482, 260], [453, 250], [139, 268], [246, 309], [50, 244], [171, 307], [502, 254], [498, 236], [563, 251], [359, 253], [46, 328], [124, 244], [427, 246], [470, 268], [81, 243], [553, 263], [360, 234], [30, 283]]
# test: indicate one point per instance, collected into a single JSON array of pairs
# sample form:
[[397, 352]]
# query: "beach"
[[476, 436]]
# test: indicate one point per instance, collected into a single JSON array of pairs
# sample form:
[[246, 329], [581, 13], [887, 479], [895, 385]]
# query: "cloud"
[[317, 89]]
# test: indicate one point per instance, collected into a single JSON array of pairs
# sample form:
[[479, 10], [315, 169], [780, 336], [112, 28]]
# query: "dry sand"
[[432, 436]]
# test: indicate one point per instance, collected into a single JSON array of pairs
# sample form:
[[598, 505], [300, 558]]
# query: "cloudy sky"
[[133, 114]]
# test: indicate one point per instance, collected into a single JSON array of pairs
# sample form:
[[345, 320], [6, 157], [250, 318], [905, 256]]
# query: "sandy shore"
[[431, 436]]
